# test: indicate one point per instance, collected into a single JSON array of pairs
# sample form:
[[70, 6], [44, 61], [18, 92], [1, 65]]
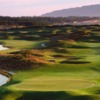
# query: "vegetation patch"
[[33, 52], [49, 60], [19, 62]]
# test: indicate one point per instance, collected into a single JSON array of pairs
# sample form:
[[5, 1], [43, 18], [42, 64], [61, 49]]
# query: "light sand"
[[3, 48]]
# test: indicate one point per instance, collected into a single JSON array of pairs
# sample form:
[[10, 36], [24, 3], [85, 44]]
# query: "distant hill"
[[91, 11]]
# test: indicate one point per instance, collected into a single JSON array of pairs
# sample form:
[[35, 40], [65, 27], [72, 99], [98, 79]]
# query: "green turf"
[[56, 81]]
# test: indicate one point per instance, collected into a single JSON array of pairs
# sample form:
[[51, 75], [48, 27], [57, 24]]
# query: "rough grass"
[[57, 81]]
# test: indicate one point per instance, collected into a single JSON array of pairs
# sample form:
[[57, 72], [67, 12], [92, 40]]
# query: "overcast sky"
[[38, 7]]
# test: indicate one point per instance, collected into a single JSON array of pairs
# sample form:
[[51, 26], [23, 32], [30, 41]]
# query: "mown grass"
[[43, 81], [17, 45], [56, 81]]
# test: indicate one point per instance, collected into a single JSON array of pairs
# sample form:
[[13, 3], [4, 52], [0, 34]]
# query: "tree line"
[[39, 21]]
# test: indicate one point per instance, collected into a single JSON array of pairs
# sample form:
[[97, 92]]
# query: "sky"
[[39, 7]]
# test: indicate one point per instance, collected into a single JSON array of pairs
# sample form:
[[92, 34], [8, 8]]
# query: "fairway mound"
[[53, 84], [61, 50]]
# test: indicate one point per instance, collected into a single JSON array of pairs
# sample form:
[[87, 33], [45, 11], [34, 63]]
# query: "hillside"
[[91, 11]]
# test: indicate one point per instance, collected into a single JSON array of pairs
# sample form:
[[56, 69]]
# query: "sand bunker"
[[3, 48]]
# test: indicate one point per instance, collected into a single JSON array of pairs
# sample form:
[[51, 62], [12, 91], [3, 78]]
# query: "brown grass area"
[[19, 61]]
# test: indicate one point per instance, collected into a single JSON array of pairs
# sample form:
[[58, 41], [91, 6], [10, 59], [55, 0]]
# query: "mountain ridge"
[[89, 10]]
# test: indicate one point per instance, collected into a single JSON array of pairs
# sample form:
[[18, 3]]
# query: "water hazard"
[[3, 80]]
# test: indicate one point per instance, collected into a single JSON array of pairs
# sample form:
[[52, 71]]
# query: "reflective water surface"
[[3, 79]]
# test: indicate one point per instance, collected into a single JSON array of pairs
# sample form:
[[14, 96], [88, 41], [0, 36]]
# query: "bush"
[[30, 52], [18, 61]]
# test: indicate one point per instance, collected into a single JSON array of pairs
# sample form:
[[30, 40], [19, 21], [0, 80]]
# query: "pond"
[[3, 80]]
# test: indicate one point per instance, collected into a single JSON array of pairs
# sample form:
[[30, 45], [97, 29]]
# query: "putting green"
[[53, 84]]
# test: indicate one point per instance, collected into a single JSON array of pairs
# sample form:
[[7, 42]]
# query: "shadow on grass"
[[12, 83], [74, 62], [52, 96], [6, 92], [97, 69], [79, 47]]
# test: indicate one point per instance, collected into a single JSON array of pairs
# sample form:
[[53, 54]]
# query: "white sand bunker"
[[3, 48]]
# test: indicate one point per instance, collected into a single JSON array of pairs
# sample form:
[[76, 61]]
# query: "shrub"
[[30, 52], [18, 61]]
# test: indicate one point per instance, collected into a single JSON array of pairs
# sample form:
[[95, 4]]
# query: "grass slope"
[[58, 81]]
